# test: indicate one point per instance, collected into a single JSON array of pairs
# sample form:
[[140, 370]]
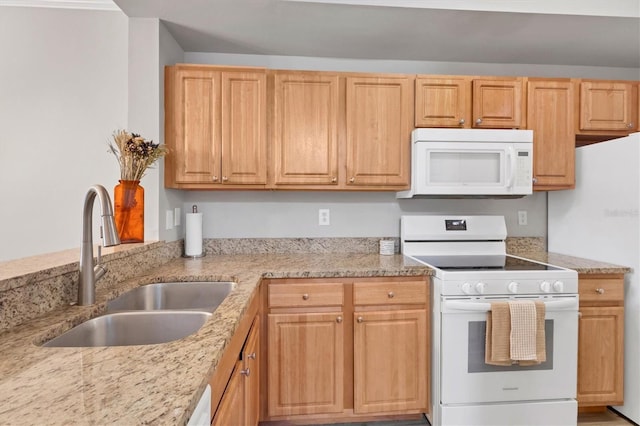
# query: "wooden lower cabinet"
[[305, 370], [601, 341], [240, 402], [390, 361], [348, 350], [228, 412]]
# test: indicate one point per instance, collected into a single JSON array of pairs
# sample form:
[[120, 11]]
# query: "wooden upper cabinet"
[[215, 126], [466, 102], [550, 114], [244, 128], [498, 103], [192, 135], [379, 120], [443, 102], [305, 128], [608, 106]]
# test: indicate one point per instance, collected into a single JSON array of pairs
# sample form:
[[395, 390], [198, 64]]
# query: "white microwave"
[[470, 163]]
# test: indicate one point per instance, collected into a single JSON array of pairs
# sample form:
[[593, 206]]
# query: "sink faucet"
[[89, 273]]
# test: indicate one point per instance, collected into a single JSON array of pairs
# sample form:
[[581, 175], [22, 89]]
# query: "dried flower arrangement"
[[134, 154]]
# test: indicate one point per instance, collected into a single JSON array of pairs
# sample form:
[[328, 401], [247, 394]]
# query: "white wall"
[[151, 47], [63, 91], [271, 214], [170, 53]]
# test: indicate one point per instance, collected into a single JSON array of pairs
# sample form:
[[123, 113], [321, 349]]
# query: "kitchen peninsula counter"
[[150, 384], [161, 384]]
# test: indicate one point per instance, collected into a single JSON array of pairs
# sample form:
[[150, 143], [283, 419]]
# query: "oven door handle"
[[551, 305]]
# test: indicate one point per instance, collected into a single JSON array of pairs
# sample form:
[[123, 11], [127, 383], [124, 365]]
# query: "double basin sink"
[[150, 314]]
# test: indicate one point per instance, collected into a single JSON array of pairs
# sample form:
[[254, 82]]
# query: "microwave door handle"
[[512, 169], [551, 305]]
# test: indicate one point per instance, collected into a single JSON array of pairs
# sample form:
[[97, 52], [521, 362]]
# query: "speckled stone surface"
[[582, 266], [161, 384], [517, 245], [34, 292], [295, 245], [153, 384]]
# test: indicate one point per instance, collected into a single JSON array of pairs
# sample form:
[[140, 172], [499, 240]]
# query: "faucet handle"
[[99, 252]]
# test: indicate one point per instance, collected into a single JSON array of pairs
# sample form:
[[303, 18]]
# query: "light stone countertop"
[[161, 384], [152, 384], [578, 264]]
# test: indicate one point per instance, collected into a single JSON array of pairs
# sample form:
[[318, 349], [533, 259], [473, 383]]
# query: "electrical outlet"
[[324, 217], [176, 216], [169, 220], [522, 217]]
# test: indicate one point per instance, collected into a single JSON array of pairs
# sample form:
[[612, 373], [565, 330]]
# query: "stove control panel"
[[508, 286]]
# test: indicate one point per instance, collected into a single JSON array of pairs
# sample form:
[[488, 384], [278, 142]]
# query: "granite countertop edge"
[[104, 385]]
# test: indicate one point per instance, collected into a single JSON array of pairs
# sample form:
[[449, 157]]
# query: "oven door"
[[466, 379]]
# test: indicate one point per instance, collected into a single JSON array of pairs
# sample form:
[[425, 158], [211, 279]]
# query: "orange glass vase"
[[128, 198]]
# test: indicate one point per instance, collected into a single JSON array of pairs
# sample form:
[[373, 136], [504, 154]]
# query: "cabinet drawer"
[[601, 289], [301, 295], [385, 293]]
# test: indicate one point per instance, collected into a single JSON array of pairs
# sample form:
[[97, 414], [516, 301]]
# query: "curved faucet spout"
[[89, 273]]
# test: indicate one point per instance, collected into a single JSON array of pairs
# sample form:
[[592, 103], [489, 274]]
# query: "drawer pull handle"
[[360, 319], [339, 320], [305, 296], [391, 295], [245, 372], [600, 290]]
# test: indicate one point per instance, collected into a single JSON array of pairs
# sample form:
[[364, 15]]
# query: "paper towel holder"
[[196, 256]]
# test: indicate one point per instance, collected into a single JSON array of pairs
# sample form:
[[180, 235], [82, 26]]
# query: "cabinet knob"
[[305, 296], [339, 320], [224, 178], [214, 178], [479, 121], [600, 290], [352, 179], [390, 295], [251, 356], [461, 122], [334, 179], [630, 125], [245, 372], [534, 180], [360, 319]]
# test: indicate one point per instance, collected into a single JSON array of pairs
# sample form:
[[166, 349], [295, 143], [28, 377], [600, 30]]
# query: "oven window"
[[477, 333]]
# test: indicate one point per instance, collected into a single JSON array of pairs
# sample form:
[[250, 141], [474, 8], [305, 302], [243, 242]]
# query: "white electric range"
[[472, 269]]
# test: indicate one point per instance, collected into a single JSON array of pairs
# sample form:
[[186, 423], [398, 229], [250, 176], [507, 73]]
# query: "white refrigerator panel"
[[599, 220]]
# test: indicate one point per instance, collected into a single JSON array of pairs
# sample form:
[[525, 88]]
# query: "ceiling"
[[357, 30]]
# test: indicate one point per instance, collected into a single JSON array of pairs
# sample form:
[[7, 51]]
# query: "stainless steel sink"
[[132, 328], [201, 296]]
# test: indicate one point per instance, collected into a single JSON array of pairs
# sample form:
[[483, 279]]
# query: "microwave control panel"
[[524, 166]]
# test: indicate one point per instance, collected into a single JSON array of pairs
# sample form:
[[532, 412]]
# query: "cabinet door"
[[244, 128], [607, 106], [600, 356], [378, 137], [306, 363], [498, 103], [390, 361], [251, 372], [230, 411], [194, 135], [443, 102], [305, 138], [550, 116]]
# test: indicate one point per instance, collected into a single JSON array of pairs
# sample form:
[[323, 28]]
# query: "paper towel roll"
[[193, 235]]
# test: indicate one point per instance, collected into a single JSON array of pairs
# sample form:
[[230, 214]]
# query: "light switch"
[[169, 220]]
